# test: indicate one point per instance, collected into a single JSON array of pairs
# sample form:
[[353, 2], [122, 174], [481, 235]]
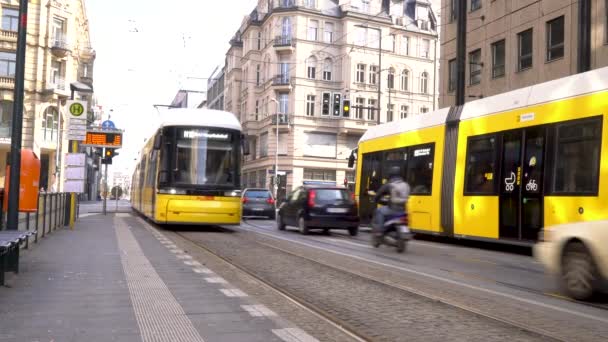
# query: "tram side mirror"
[[245, 143], [158, 141], [351, 160]]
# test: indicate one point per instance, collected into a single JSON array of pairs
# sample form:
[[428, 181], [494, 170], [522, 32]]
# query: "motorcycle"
[[396, 232]]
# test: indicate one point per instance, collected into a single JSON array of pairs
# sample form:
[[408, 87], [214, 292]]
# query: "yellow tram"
[[189, 170], [499, 168]]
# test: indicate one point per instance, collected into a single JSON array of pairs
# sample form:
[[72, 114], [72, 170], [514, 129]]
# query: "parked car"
[[258, 203], [314, 207], [577, 254]]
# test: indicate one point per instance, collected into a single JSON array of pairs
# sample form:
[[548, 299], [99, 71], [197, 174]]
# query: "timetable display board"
[[103, 139]]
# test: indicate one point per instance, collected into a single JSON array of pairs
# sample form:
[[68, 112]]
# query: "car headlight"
[[235, 193]]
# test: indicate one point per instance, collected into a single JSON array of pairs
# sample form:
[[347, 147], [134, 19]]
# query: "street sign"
[[111, 139], [77, 120], [108, 125], [75, 172]]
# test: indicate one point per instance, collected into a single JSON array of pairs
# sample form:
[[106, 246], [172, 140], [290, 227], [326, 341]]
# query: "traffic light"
[[326, 100], [108, 154], [337, 104], [346, 108]]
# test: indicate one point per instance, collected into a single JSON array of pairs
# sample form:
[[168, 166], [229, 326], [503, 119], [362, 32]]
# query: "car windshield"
[[257, 194], [331, 196]]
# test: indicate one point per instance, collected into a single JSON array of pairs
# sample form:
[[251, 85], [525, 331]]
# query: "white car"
[[578, 254]]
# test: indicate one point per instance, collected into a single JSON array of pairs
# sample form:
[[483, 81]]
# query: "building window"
[[264, 145], [359, 107], [524, 56], [555, 38], [50, 124], [374, 39], [393, 42], [404, 111], [452, 75], [405, 45], [391, 78], [425, 48], [405, 80], [57, 74], [58, 31], [257, 109], [373, 74], [454, 10], [259, 40], [424, 83], [390, 108], [6, 118], [7, 64], [329, 33], [360, 36], [258, 70], [320, 175], [10, 19], [498, 59], [283, 103], [283, 144], [312, 67], [262, 178], [475, 67], [424, 110], [310, 105], [475, 5], [327, 68], [371, 110], [310, 4], [313, 28], [360, 73], [481, 167], [286, 28], [365, 6]]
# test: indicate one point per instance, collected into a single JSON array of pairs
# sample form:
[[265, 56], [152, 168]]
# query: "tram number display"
[[103, 139]]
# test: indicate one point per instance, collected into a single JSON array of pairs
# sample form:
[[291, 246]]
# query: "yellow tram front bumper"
[[199, 210]]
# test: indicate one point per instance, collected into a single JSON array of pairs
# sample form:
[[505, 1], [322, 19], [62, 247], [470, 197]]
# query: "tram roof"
[[199, 117], [567, 87]]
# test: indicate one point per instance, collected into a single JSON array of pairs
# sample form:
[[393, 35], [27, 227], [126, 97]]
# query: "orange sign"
[[103, 139]]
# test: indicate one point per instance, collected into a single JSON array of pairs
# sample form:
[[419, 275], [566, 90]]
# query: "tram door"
[[521, 187], [371, 179]]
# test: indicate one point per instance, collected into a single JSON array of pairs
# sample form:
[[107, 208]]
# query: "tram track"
[[346, 326]]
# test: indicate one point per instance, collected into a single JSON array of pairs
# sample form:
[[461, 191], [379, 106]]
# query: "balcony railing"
[[9, 35], [285, 3], [281, 80], [60, 47], [7, 82], [283, 118], [280, 41], [57, 83]]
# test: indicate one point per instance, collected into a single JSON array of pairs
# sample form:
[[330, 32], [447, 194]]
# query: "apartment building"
[[59, 58], [293, 64], [513, 44], [215, 90]]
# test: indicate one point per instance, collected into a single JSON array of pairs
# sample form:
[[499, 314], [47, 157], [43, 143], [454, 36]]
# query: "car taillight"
[[245, 199], [354, 198], [311, 198], [404, 220], [270, 201]]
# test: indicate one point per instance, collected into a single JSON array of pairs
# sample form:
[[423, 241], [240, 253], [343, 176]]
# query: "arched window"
[[405, 80], [6, 118], [391, 78], [311, 67], [50, 123], [327, 69], [424, 83]]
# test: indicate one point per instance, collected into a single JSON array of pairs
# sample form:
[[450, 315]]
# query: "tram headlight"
[[235, 193], [172, 191]]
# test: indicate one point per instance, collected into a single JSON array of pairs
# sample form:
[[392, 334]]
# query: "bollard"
[[43, 215], [27, 227], [56, 211], [37, 218]]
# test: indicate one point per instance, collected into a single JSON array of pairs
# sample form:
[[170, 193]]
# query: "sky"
[[149, 49]]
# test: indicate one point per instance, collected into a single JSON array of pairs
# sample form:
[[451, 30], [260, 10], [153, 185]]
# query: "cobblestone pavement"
[[375, 310]]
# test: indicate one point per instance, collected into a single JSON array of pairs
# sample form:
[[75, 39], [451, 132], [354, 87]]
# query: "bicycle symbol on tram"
[[532, 186]]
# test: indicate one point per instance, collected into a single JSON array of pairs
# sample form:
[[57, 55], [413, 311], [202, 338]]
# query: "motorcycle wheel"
[[401, 244]]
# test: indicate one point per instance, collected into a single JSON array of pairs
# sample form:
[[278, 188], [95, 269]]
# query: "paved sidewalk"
[[115, 278]]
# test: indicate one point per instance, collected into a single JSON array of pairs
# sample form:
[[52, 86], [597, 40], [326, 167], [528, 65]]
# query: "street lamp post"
[[276, 152], [379, 65]]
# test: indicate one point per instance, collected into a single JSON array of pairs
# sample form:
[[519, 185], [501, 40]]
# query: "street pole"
[[276, 152], [461, 51], [105, 182], [17, 124], [379, 73]]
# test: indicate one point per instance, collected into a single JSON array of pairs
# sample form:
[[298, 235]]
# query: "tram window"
[[578, 157], [480, 178], [420, 169], [395, 158], [371, 175]]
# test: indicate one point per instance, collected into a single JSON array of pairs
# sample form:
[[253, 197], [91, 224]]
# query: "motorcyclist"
[[398, 191]]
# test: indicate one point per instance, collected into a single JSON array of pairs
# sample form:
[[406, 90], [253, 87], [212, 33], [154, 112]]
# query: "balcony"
[[284, 121], [284, 43], [56, 85], [9, 36], [88, 53], [284, 4], [60, 48], [281, 83], [7, 82]]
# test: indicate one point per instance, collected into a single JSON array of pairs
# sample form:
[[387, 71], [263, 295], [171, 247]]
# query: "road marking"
[[159, 315], [446, 280], [87, 215], [193, 263], [216, 280], [233, 293], [183, 256], [258, 310], [293, 335], [201, 270], [176, 251], [347, 242], [556, 295]]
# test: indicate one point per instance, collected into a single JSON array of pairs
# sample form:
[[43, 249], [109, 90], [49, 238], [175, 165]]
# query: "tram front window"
[[204, 157]]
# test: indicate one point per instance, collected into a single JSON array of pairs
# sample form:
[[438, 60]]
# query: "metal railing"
[[52, 214], [60, 43], [281, 80], [283, 41]]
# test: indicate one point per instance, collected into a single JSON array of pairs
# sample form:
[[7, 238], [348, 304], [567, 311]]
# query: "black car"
[[258, 203], [314, 207]]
